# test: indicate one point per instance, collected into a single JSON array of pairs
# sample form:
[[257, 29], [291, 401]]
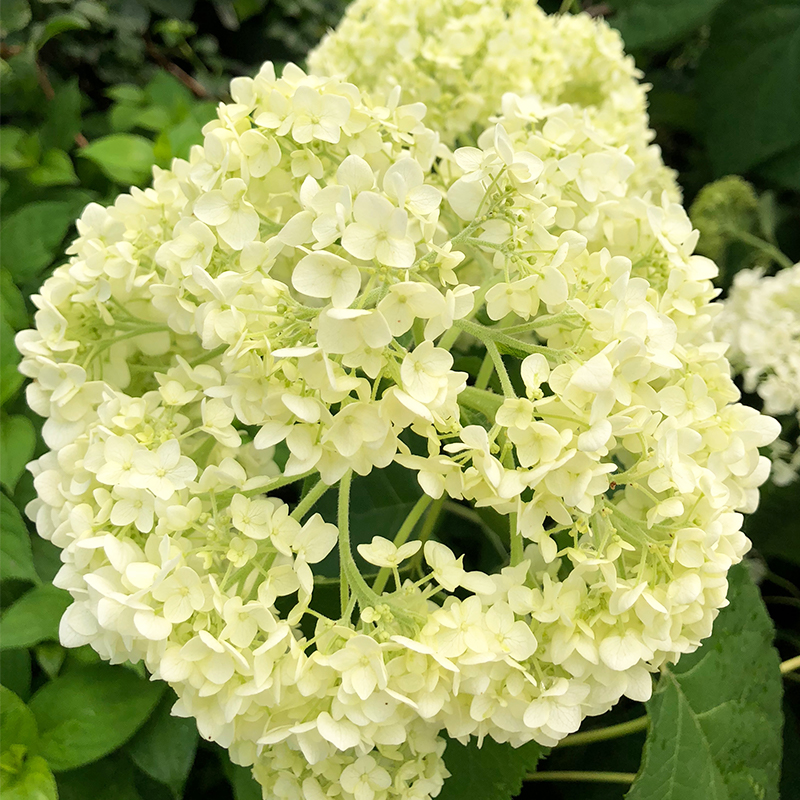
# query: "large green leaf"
[[17, 723], [88, 713], [125, 157], [16, 555], [490, 772], [655, 23], [749, 83], [17, 441], [715, 717], [165, 746], [30, 237], [34, 617]]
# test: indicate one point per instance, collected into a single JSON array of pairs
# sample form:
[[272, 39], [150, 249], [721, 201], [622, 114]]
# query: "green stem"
[[790, 665], [500, 369], [210, 354], [514, 346], [349, 572], [765, 247], [603, 734], [485, 372], [582, 777], [544, 321], [275, 483], [307, 503], [401, 537]]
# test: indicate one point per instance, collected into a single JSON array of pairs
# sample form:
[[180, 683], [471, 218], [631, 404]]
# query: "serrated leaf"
[[30, 237], [124, 157], [34, 617], [490, 772], [88, 713], [17, 443], [16, 554], [749, 83], [715, 717], [655, 23], [165, 747]]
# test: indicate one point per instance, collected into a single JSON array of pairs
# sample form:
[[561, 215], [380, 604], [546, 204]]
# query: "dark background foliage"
[[93, 94]]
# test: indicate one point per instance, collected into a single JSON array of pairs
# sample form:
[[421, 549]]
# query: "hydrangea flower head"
[[303, 280]]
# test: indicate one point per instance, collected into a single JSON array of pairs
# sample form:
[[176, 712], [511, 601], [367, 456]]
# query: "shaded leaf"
[[17, 723], [749, 83], [14, 16], [12, 304], [85, 714], [34, 617], [654, 23], [165, 747], [490, 772], [111, 778], [715, 717], [15, 671]]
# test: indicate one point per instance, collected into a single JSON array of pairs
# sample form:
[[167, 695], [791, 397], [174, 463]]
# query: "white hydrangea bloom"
[[182, 342], [761, 323], [460, 57]]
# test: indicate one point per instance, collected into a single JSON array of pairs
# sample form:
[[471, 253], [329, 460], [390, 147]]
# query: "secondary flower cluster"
[[301, 281], [761, 322], [460, 57]]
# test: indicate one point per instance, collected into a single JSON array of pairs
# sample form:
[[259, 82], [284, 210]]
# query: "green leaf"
[[749, 83], [55, 169], [111, 778], [14, 16], [16, 554], [244, 785], [772, 528], [165, 747], [654, 23], [126, 93], [60, 23], [17, 149], [17, 442], [15, 671], [12, 303], [34, 617], [17, 723], [715, 717], [10, 377], [88, 713], [31, 779], [490, 772], [63, 120], [50, 657], [124, 157], [784, 169], [23, 775], [30, 237]]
